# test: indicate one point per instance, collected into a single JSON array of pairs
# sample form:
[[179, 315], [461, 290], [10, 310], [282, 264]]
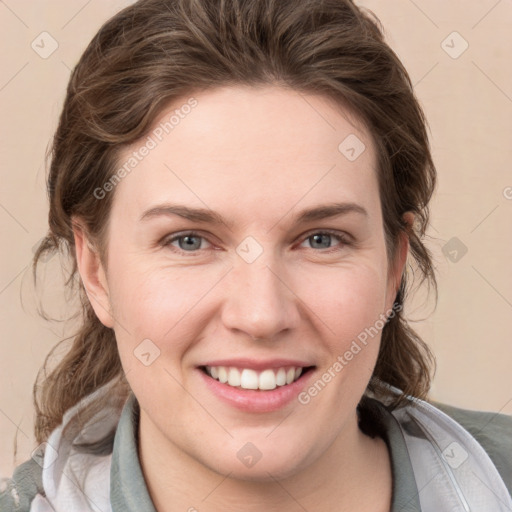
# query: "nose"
[[258, 299]]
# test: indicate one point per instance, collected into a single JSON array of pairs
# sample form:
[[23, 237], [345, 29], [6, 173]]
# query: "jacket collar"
[[128, 491]]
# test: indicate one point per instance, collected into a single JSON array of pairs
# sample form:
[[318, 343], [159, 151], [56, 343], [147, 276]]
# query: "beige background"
[[468, 101]]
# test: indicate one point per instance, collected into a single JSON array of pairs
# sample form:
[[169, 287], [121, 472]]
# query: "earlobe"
[[92, 274], [409, 218]]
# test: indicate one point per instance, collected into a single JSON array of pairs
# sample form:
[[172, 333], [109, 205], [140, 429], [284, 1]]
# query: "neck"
[[353, 474]]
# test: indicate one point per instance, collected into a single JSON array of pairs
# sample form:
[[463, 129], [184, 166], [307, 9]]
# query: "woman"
[[239, 184]]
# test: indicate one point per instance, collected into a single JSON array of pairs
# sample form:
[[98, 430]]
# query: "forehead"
[[260, 148]]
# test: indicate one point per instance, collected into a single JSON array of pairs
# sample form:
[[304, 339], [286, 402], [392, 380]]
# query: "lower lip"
[[252, 400]]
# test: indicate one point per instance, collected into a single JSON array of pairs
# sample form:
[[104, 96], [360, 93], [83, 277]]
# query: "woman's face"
[[261, 287]]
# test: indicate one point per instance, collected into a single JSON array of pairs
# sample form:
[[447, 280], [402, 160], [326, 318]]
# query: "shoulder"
[[18, 492], [492, 430], [80, 448]]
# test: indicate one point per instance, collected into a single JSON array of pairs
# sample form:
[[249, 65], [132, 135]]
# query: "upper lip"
[[258, 364]]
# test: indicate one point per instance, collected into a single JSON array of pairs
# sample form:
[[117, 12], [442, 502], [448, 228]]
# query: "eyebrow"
[[207, 216]]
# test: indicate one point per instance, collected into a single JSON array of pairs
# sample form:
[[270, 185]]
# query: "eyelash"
[[342, 237]]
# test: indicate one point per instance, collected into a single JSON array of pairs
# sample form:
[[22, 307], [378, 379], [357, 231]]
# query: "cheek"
[[346, 301], [158, 303]]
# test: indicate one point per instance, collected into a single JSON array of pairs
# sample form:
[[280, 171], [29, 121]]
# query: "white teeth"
[[223, 374], [267, 379], [281, 377], [233, 377], [250, 379]]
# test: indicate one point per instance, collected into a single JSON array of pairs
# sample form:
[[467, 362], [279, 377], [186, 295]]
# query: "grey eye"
[[323, 239], [190, 242]]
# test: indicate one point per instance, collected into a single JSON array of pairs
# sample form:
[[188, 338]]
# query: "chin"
[[266, 465]]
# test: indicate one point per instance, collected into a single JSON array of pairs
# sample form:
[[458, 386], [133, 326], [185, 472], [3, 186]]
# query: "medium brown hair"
[[156, 51]]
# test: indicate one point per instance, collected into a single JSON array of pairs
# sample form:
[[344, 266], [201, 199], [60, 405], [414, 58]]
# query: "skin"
[[257, 157]]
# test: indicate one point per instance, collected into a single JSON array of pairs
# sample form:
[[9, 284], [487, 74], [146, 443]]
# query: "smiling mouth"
[[247, 378]]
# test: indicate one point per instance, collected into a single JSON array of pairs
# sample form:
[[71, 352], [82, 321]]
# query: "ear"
[[397, 269], [93, 274]]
